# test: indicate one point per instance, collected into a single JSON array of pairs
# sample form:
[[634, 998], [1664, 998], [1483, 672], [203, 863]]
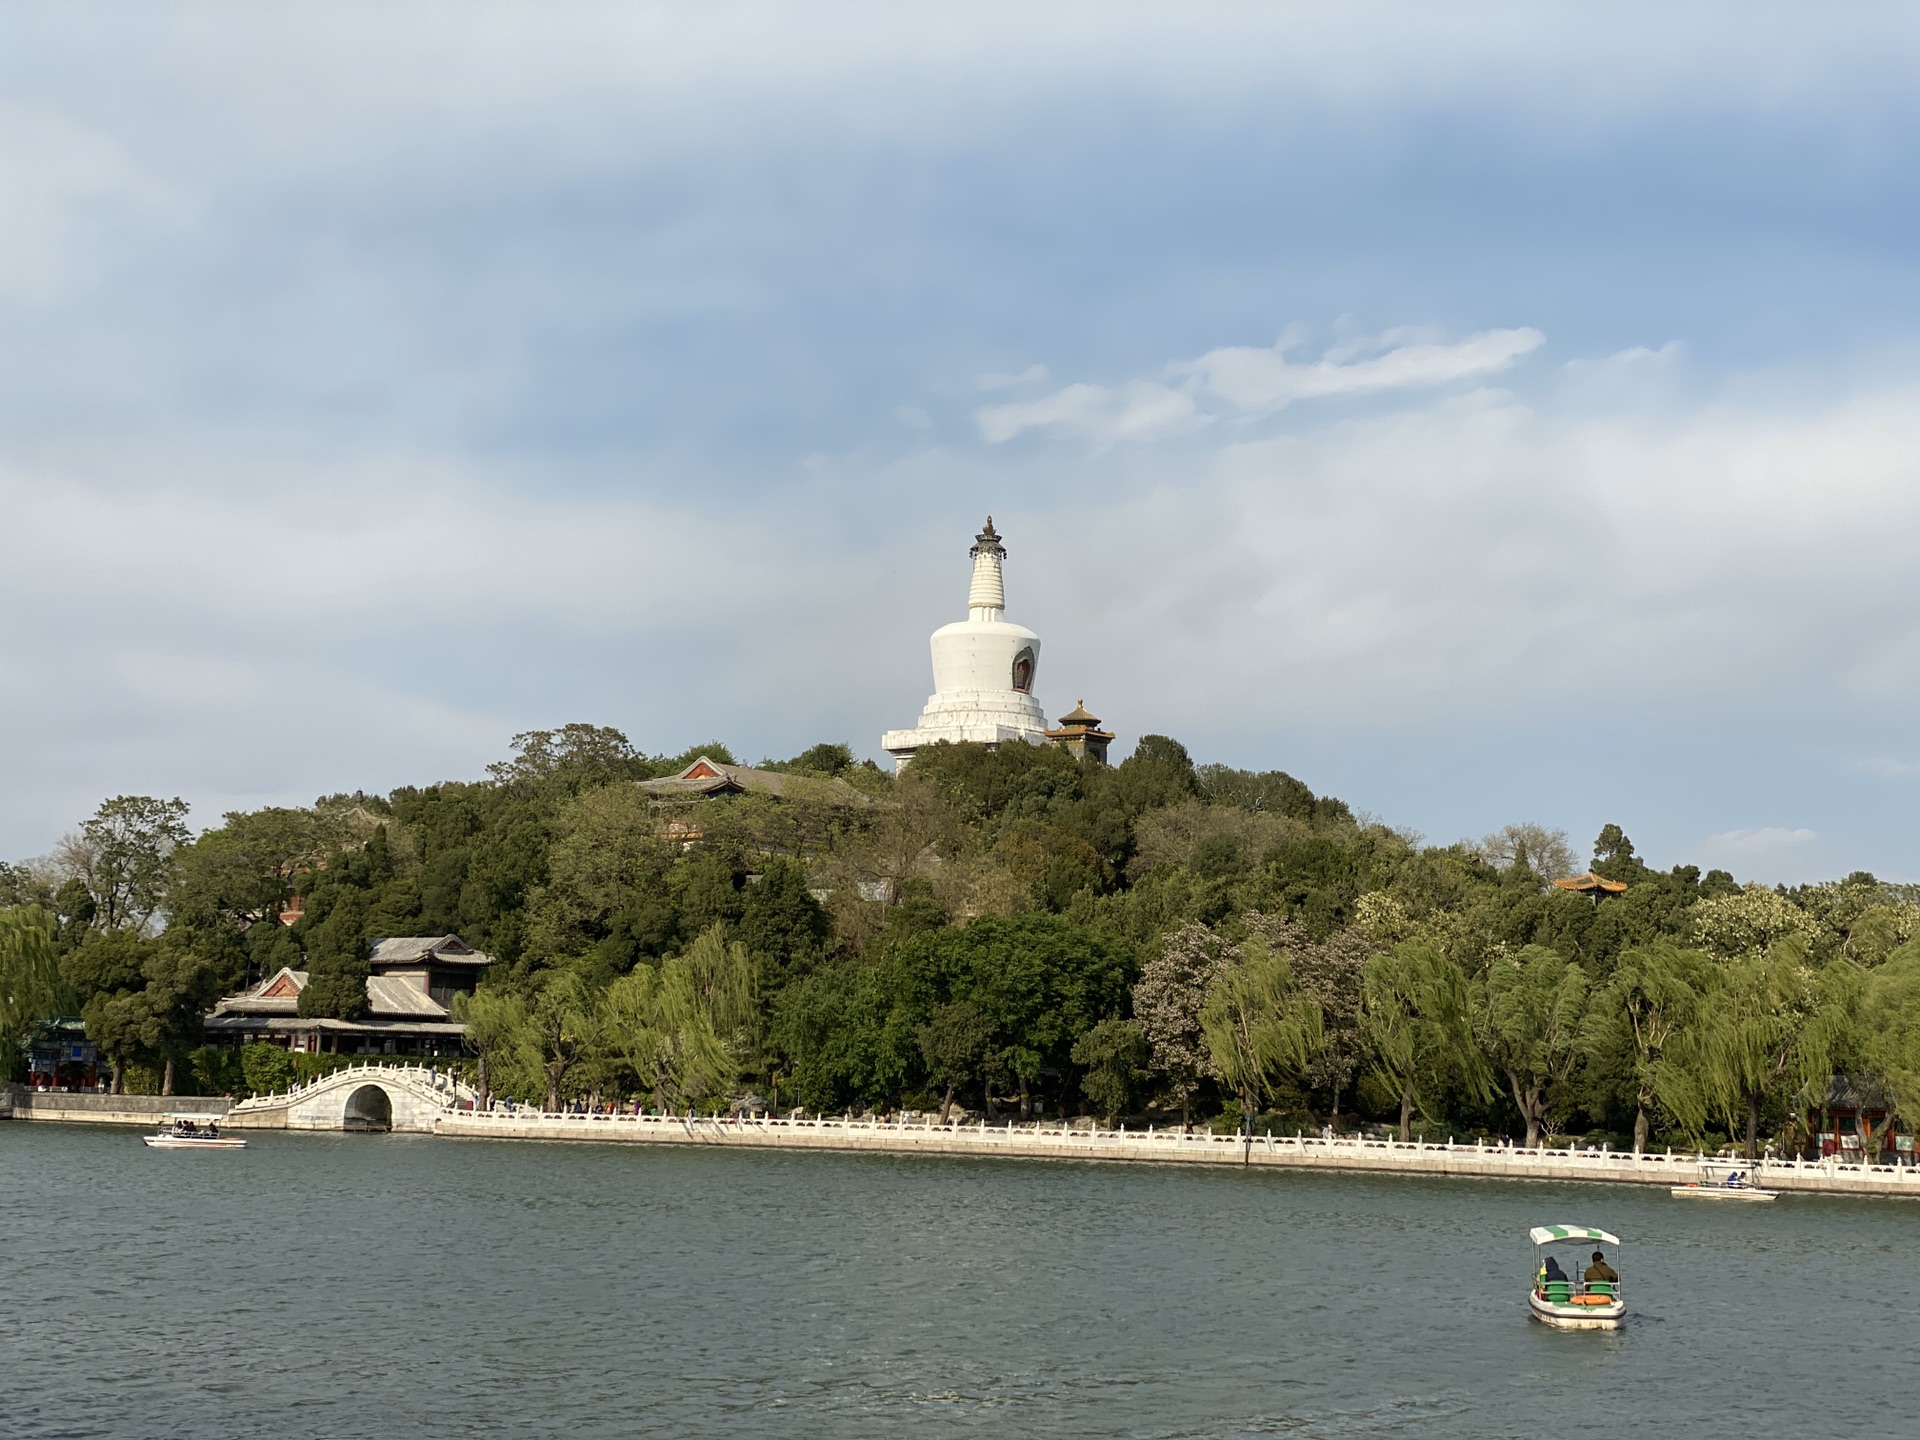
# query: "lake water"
[[371, 1286]]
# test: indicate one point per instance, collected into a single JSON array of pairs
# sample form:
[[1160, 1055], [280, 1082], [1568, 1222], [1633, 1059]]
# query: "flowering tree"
[[1167, 1001]]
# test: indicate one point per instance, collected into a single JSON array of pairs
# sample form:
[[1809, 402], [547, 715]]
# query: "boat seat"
[[1600, 1287], [1558, 1293]]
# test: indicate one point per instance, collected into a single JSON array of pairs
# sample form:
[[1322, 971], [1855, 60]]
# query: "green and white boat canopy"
[[1548, 1234]]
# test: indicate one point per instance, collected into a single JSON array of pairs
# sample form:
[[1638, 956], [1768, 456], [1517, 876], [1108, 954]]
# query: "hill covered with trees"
[[1011, 930]]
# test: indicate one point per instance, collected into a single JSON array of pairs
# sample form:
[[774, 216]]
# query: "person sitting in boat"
[[1600, 1270], [1551, 1273]]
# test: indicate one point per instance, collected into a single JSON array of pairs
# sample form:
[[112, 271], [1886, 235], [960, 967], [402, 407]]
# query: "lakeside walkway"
[[1305, 1152]]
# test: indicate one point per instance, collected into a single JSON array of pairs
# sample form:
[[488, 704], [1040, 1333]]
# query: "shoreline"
[[420, 1101], [1345, 1154]]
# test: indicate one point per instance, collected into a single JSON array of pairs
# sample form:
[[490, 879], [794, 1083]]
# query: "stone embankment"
[[1312, 1152], [88, 1107]]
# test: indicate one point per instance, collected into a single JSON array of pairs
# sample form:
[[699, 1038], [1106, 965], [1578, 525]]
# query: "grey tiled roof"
[[733, 778], [398, 998], [416, 949], [387, 995]]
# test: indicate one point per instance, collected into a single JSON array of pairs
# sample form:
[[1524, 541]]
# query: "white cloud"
[[1763, 841], [1141, 410], [1250, 383], [1032, 375], [1258, 382], [53, 169], [1887, 766]]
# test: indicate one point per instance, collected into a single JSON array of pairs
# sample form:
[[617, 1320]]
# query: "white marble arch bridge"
[[367, 1097]]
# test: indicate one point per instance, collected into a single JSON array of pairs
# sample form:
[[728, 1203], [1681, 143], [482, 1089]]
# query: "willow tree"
[[1889, 1032], [1261, 1028], [30, 988], [1765, 1034], [565, 1027], [1527, 1016], [685, 1025], [1644, 1017], [1415, 1016], [500, 1032]]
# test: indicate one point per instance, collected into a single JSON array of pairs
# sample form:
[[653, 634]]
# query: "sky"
[[1485, 413]]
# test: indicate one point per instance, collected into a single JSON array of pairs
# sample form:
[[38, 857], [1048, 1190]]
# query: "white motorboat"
[[191, 1132], [1560, 1299], [1713, 1184]]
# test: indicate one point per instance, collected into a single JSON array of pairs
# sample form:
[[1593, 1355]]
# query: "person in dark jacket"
[[1552, 1273]]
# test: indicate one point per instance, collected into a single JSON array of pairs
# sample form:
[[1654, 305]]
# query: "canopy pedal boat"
[[191, 1132], [1560, 1297], [1734, 1184]]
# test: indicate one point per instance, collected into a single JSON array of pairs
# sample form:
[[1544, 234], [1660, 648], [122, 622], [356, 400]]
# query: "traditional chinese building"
[[679, 796], [410, 990], [59, 1055], [1591, 885], [1850, 1122], [1080, 735]]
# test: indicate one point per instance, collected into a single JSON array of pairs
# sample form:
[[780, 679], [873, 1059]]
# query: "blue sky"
[[1486, 413]]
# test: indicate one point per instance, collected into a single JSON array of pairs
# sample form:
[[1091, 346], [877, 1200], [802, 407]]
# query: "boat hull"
[[1721, 1192], [171, 1142], [1577, 1317]]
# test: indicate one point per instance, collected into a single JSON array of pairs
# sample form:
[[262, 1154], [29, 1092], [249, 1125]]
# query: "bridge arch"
[[369, 1108], [365, 1097]]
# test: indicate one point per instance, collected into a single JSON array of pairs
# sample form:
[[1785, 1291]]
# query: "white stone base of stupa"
[[985, 717]]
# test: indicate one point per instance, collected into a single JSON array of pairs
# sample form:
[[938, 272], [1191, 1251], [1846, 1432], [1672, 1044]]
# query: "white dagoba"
[[983, 670]]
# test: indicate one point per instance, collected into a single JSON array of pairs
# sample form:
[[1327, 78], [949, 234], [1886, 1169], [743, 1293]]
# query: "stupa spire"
[[987, 595]]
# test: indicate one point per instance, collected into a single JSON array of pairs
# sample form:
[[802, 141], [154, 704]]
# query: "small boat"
[[191, 1132], [1712, 1185], [1559, 1298]]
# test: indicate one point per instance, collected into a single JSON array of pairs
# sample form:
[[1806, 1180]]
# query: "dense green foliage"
[[995, 928]]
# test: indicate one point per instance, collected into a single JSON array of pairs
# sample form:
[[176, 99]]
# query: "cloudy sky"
[[1486, 413]]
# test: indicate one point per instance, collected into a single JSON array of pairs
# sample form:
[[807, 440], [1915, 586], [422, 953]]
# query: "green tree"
[[686, 1026], [781, 923], [125, 854], [1750, 923], [1890, 1029], [501, 1035], [1654, 1000], [564, 1025], [1416, 1019], [124, 1026], [1527, 1015], [243, 872], [606, 882], [1758, 1038], [846, 1032], [1040, 979], [183, 984], [1114, 1055], [568, 761], [337, 956], [30, 985], [954, 1042], [823, 759], [20, 887], [1261, 1029], [105, 962]]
